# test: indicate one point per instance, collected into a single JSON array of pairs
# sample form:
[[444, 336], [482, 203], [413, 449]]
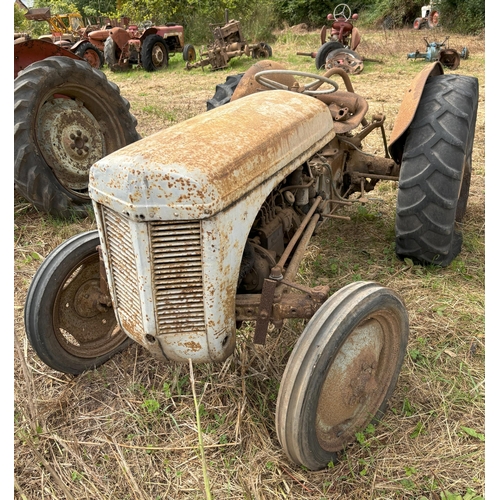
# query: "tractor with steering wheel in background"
[[340, 49]]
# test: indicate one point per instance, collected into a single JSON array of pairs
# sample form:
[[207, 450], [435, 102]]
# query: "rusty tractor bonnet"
[[151, 193]]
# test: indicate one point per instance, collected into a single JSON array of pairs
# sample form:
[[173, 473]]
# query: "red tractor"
[[149, 47], [339, 50]]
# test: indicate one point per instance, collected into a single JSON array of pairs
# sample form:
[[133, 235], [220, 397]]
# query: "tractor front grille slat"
[[178, 276], [123, 268]]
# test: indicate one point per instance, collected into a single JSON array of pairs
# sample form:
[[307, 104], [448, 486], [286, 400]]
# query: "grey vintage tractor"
[[192, 242]]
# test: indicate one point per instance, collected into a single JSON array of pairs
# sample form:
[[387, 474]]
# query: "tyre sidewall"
[[311, 453], [323, 52], [39, 309]]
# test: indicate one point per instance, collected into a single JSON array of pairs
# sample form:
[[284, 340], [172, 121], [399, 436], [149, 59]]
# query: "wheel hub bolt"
[[79, 142]]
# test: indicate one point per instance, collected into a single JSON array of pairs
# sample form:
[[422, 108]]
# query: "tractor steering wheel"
[[309, 89], [342, 11]]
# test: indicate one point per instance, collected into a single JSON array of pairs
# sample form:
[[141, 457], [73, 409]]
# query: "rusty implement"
[[227, 44], [439, 51]]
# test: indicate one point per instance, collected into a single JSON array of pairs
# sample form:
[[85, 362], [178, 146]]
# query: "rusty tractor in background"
[[339, 51], [67, 115], [149, 46], [440, 51], [69, 32], [189, 246], [229, 43]]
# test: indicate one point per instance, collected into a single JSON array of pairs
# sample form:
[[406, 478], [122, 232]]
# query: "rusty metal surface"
[[84, 322], [449, 58], [70, 140], [152, 179], [248, 85], [343, 59], [222, 190], [409, 107], [30, 51], [358, 378]]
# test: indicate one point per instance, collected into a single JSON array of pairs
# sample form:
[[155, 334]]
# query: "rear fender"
[[323, 35], [30, 51], [120, 36], [355, 38], [408, 109]]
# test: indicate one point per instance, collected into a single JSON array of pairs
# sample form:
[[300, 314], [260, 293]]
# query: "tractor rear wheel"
[[112, 56], [436, 170], [323, 52], [91, 54], [154, 53], [67, 116], [69, 321], [224, 91]]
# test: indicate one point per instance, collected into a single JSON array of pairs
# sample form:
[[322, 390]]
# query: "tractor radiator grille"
[[177, 277], [124, 270]]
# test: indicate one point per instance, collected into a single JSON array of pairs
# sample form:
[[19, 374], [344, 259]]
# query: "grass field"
[[129, 429]]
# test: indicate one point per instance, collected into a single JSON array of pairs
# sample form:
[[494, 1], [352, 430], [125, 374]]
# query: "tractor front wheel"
[[436, 171], [341, 373], [67, 116], [91, 54], [189, 53], [69, 321]]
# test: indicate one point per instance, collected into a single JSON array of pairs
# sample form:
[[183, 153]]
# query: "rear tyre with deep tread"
[[224, 91], [154, 53], [436, 170], [61, 102]]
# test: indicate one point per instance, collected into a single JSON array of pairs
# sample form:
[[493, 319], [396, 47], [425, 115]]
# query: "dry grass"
[[128, 430]]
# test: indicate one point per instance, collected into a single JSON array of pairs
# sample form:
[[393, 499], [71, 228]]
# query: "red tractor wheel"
[[91, 54]]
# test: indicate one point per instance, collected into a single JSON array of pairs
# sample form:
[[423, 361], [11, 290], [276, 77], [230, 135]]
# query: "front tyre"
[[69, 322], [189, 53], [67, 116], [436, 170], [341, 373]]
